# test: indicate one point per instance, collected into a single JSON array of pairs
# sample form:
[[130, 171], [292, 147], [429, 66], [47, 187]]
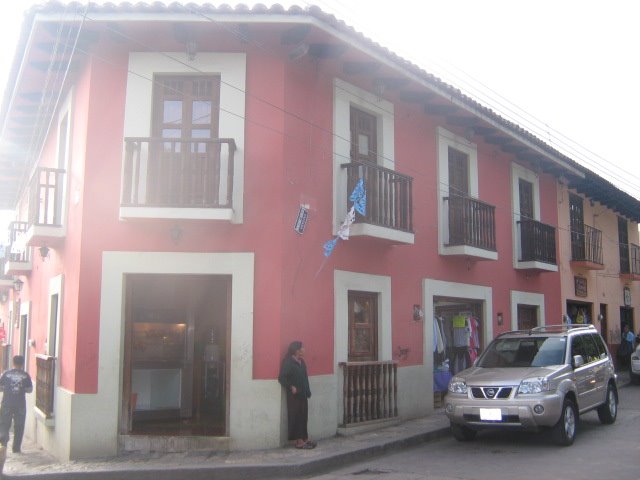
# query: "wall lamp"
[[4, 296], [418, 313], [17, 284], [44, 252]]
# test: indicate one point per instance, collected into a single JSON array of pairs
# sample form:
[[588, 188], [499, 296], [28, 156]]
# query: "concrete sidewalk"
[[286, 462]]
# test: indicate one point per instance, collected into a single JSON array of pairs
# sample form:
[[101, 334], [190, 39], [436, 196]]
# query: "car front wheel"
[[564, 432], [608, 411], [462, 433]]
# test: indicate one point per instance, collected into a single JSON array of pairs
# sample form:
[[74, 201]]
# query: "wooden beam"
[[413, 96], [327, 50], [294, 35], [360, 68], [439, 109], [462, 121]]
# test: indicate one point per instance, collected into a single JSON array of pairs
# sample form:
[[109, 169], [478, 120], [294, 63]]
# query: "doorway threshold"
[[172, 444]]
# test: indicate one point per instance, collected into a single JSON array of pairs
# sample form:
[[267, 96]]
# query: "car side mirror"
[[578, 361]]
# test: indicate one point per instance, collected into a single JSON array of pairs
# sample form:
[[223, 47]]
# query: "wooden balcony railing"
[[178, 173], [630, 262], [537, 242], [18, 250], [586, 245], [45, 197], [389, 195], [45, 384], [369, 391], [471, 223]]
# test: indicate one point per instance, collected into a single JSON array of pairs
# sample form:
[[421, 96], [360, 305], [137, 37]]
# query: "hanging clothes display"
[[457, 336]]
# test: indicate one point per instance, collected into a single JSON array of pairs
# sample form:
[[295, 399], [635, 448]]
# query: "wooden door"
[[363, 326], [527, 317]]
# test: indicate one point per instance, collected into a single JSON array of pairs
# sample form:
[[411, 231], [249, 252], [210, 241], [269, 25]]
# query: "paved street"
[[599, 452]]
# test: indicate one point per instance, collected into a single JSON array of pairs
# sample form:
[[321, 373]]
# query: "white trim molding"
[[139, 100], [526, 298], [380, 284], [446, 139], [519, 172], [345, 96]]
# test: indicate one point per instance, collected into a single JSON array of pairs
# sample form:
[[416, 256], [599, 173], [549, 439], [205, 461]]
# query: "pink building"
[[175, 173]]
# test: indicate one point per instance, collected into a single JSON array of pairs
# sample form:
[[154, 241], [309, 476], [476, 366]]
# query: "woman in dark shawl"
[[293, 377]]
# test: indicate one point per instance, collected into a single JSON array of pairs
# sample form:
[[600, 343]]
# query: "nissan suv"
[[535, 379]]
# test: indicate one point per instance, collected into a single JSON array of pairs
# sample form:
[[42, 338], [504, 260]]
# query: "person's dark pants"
[[297, 416], [17, 415]]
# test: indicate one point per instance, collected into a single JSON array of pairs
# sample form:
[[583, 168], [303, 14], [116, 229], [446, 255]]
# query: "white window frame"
[[526, 298], [138, 110], [439, 288], [345, 96], [380, 284], [446, 139], [519, 172]]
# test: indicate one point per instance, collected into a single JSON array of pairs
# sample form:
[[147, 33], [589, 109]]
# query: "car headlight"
[[457, 385], [533, 385]]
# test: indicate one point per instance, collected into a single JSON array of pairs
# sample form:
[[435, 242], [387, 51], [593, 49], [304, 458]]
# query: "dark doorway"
[[175, 379], [363, 326], [527, 317]]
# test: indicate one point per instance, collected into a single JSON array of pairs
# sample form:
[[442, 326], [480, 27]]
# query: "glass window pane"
[[172, 111], [171, 133], [363, 144], [201, 111]]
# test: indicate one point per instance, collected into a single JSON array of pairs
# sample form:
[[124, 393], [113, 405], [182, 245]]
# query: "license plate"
[[491, 414]]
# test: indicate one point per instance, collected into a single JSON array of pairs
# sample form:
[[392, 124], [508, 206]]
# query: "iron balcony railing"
[[537, 242], [178, 173], [586, 245], [45, 384], [389, 195], [471, 223], [369, 391], [630, 263], [45, 197]]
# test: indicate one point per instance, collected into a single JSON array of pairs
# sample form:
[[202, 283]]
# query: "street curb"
[[247, 472]]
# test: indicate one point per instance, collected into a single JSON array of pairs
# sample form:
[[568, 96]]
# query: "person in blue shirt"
[[14, 384]]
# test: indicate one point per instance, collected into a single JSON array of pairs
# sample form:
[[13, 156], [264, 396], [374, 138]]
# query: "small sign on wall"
[[581, 286], [301, 220]]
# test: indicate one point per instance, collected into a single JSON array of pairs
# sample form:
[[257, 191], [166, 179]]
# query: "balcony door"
[[458, 192], [184, 167], [526, 199], [364, 136], [363, 326], [576, 218]]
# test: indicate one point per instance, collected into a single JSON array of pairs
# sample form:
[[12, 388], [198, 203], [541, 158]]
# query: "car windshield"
[[524, 352]]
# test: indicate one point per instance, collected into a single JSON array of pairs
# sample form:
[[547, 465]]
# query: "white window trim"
[[446, 139], [526, 298], [55, 288], [438, 288], [344, 96], [345, 281], [519, 172], [139, 102], [25, 309]]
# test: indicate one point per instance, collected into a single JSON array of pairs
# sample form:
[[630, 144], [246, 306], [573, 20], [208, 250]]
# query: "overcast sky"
[[567, 70]]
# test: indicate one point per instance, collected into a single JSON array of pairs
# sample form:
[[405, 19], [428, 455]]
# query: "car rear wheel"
[[608, 411], [462, 433], [564, 432]]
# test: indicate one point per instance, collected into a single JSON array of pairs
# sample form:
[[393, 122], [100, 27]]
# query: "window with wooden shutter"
[[526, 199]]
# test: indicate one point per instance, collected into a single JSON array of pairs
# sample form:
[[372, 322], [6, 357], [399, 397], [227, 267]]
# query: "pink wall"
[[288, 161]]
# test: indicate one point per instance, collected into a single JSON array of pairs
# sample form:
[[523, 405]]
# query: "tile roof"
[[603, 190]]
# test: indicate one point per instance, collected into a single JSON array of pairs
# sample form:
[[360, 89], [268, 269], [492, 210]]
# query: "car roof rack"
[[564, 327]]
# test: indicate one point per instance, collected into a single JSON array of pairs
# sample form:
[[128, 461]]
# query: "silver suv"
[[534, 379]]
